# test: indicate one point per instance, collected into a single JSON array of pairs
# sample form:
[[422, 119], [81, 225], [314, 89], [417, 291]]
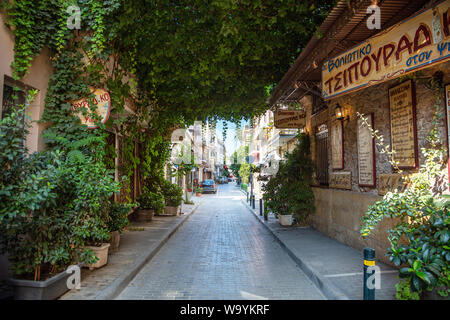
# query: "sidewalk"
[[138, 244], [334, 267]]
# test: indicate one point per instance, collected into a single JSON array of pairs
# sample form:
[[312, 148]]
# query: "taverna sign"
[[102, 102], [415, 43]]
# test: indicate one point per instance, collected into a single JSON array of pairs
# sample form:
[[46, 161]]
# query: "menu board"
[[390, 182], [337, 145], [366, 153], [341, 180], [403, 126]]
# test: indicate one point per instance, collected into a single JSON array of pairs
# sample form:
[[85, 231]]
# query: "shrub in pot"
[[419, 240], [50, 203], [117, 221], [173, 196], [198, 191], [288, 194], [150, 203]]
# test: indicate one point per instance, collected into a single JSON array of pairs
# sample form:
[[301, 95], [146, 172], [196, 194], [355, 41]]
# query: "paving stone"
[[222, 252], [337, 262], [133, 243]]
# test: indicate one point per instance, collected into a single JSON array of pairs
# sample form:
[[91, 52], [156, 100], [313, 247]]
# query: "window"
[[322, 155], [11, 97]]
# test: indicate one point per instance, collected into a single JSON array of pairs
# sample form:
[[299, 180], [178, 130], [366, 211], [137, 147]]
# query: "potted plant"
[[173, 196], [97, 237], [288, 194], [198, 191], [150, 203], [189, 187], [51, 203], [117, 221]]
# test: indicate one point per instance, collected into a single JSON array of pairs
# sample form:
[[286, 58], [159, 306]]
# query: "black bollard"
[[260, 207], [369, 261], [253, 202]]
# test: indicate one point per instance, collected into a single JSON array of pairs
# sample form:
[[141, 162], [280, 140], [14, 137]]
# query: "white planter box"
[[285, 220], [172, 211]]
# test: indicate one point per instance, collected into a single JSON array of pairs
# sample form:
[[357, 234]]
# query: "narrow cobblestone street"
[[221, 252]]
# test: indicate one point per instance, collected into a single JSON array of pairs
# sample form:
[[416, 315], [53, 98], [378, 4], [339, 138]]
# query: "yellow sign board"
[[289, 119], [102, 101], [415, 43]]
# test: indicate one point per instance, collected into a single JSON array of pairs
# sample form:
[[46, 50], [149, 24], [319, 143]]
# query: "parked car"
[[208, 186]]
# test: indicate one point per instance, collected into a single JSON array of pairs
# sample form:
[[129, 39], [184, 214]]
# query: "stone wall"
[[338, 212]]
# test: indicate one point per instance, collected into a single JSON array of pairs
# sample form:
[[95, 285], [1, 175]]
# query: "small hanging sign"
[[289, 119], [102, 101]]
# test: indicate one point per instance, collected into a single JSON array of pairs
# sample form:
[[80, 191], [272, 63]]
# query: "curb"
[[117, 286], [329, 290]]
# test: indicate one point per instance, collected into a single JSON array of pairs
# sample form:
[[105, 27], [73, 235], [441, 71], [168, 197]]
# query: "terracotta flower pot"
[[145, 215], [101, 253], [198, 194], [114, 241]]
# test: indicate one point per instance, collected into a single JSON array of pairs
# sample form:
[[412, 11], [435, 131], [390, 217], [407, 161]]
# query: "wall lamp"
[[339, 112]]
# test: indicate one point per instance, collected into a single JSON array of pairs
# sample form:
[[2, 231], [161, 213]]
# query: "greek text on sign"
[[102, 101], [415, 43], [366, 152], [289, 119], [403, 126], [391, 183], [341, 180]]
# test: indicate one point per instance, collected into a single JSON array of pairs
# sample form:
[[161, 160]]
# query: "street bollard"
[[253, 202], [266, 218], [369, 261], [247, 197], [260, 207]]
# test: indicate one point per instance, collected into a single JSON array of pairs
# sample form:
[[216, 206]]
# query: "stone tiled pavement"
[[221, 252], [134, 242], [334, 261]]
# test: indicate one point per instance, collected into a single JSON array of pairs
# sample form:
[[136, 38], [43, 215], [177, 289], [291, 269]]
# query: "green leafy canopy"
[[205, 58]]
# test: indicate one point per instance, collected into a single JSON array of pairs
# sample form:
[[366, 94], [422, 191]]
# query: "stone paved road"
[[221, 252]]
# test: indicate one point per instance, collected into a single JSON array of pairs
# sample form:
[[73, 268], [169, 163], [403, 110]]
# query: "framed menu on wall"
[[403, 125], [337, 145], [366, 152]]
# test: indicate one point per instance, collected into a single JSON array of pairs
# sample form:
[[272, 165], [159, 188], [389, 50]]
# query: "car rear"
[[208, 186]]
